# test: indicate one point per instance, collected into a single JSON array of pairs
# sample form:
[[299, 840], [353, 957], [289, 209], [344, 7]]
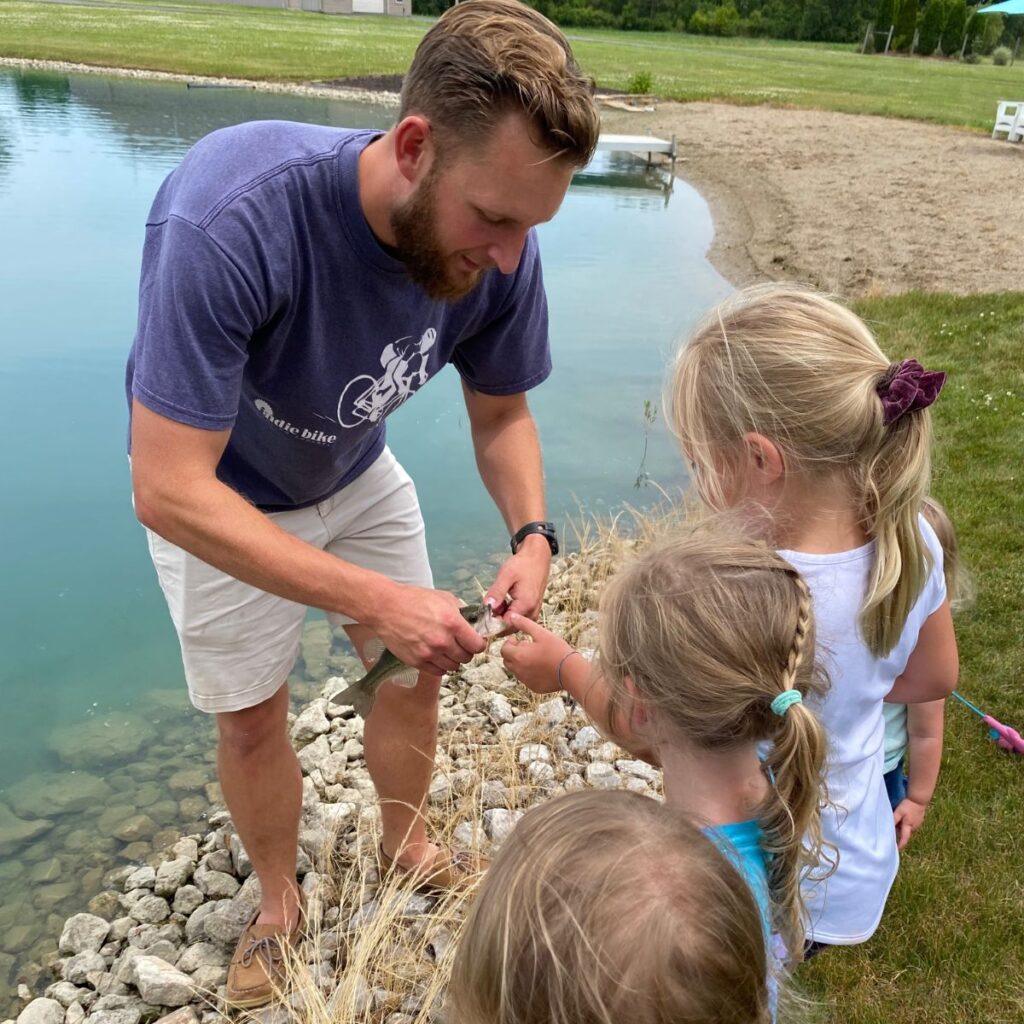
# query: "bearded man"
[[280, 261]]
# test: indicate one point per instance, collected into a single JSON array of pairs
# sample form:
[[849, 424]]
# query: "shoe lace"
[[269, 948]]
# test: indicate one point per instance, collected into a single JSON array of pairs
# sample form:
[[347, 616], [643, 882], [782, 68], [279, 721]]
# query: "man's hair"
[[610, 908], [487, 58]]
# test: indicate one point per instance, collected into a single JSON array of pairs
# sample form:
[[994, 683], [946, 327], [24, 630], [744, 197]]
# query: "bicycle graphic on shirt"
[[368, 399]]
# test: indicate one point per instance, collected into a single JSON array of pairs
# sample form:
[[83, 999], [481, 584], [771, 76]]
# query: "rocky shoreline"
[[156, 940]]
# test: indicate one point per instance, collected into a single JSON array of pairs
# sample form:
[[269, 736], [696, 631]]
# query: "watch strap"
[[545, 529]]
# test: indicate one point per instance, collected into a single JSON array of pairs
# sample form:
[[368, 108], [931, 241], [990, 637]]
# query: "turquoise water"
[[84, 626]]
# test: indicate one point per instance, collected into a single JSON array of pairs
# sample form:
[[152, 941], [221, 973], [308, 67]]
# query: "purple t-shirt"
[[267, 307]]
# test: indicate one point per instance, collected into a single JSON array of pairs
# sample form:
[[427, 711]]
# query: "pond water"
[[84, 630]]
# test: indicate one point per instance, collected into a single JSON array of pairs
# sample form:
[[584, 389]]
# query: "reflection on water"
[[90, 662]]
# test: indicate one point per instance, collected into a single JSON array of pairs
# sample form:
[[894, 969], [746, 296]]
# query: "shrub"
[[987, 37], [885, 16], [906, 22], [953, 27], [931, 27], [640, 83], [716, 21], [1001, 55], [972, 58]]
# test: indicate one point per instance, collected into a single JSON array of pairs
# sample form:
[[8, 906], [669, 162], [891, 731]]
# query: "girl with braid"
[[706, 653], [788, 410]]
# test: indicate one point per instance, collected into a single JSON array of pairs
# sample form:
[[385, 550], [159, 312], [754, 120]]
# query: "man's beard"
[[414, 224]]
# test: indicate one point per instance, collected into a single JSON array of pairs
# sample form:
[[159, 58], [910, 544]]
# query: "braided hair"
[[713, 627]]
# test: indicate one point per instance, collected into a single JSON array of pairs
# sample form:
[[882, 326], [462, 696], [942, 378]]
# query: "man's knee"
[[419, 700], [246, 732]]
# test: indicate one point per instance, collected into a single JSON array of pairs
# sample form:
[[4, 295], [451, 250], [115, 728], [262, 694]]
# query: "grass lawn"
[[295, 46], [949, 948]]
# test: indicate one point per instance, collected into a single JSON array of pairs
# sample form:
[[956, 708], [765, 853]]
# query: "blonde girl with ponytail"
[[706, 654], [786, 407]]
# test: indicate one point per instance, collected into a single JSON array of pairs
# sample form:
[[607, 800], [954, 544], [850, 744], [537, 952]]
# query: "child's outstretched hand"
[[908, 816], [534, 662]]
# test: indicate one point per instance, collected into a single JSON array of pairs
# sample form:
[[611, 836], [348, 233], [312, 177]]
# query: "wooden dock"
[[640, 144]]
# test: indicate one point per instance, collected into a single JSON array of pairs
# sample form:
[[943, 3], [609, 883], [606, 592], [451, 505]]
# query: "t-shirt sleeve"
[[510, 353], [197, 313], [934, 592]]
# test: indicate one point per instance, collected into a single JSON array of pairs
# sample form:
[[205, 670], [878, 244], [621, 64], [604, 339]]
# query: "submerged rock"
[[15, 832], [100, 741], [48, 794]]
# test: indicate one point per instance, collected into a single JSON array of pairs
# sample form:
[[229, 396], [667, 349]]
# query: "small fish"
[[362, 693]]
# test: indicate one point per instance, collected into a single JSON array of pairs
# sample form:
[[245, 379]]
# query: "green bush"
[[972, 58], [1001, 55], [953, 27], [783, 17], [931, 27], [885, 15], [986, 39], [640, 83], [716, 21], [906, 22]]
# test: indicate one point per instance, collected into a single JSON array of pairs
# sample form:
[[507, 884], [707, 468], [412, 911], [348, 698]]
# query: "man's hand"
[[521, 581], [908, 817], [535, 662], [425, 629]]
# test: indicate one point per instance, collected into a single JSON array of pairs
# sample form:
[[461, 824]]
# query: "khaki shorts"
[[239, 643]]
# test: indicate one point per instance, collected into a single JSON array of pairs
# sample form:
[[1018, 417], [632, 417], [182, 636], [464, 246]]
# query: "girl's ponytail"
[[791, 816], [894, 485]]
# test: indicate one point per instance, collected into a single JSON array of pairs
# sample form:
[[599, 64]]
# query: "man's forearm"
[[509, 461]]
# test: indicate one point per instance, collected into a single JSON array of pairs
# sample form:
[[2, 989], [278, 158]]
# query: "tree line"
[[935, 23]]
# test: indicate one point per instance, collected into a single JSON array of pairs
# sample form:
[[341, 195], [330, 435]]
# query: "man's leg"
[[400, 738], [262, 785]]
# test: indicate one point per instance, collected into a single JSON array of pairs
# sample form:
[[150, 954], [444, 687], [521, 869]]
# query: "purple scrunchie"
[[908, 386]]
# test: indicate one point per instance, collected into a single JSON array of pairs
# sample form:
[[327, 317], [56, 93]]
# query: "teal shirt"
[[741, 843], [895, 716]]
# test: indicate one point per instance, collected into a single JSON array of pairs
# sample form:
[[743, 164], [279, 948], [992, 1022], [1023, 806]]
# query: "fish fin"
[[407, 678], [373, 649]]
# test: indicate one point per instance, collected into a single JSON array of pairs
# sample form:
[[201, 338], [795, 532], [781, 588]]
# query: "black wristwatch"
[[546, 530]]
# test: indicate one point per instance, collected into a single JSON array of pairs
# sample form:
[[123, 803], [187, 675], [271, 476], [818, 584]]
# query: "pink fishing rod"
[[1006, 736]]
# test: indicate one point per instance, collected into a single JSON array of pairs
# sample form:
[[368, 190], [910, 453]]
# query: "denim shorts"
[[896, 785], [238, 643]]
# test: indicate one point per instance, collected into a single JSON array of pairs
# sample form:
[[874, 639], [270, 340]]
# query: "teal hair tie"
[[785, 700]]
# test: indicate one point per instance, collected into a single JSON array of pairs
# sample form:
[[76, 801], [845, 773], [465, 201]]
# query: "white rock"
[[490, 675], [540, 774], [602, 775], [141, 878], [64, 992], [607, 752], [83, 932], [186, 1015], [42, 1011], [160, 984], [534, 752], [634, 785], [499, 822], [586, 739], [151, 910], [75, 1014], [186, 899], [314, 754], [312, 722], [552, 712], [494, 793], [201, 954], [172, 875], [186, 847], [468, 835], [77, 968], [217, 885], [499, 710], [574, 783], [240, 861], [639, 769]]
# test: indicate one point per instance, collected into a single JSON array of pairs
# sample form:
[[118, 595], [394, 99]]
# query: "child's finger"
[[520, 622]]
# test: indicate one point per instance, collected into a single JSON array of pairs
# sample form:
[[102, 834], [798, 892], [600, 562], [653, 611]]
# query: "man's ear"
[[764, 460], [414, 147]]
